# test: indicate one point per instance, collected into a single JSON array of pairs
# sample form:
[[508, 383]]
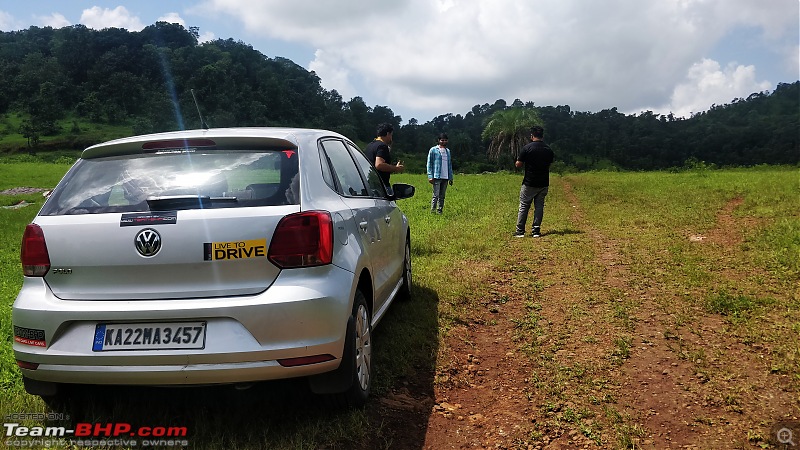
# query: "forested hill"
[[74, 86]]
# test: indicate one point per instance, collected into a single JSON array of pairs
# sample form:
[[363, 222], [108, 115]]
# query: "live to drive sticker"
[[255, 248]]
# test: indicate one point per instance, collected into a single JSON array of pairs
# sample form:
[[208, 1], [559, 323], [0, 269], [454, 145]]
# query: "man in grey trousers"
[[537, 157]]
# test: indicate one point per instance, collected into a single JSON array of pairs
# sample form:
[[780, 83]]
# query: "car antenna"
[[202, 122]]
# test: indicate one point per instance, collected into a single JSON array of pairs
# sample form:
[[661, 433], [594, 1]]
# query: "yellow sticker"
[[254, 248]]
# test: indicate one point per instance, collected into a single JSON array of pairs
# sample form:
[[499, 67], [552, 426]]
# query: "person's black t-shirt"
[[537, 157], [375, 149]]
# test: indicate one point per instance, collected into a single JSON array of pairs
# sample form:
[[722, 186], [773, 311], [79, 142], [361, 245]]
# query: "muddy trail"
[[559, 353]]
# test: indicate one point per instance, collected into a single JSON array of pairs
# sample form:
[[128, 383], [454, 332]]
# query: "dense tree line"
[[145, 80]]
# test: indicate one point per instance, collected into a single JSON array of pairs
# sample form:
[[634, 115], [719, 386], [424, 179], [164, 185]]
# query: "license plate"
[[149, 336]]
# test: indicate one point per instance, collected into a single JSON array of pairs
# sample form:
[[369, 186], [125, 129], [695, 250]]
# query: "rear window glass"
[[177, 180]]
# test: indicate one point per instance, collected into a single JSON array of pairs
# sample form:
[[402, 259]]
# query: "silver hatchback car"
[[218, 256]]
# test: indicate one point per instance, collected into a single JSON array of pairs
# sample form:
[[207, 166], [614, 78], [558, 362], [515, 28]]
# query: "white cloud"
[[55, 20], [446, 56], [333, 73], [792, 59], [172, 18], [8, 22], [774, 17], [119, 17], [707, 84], [206, 37]]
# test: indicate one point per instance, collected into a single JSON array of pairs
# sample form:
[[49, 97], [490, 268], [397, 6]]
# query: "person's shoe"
[[536, 232], [438, 212], [519, 235]]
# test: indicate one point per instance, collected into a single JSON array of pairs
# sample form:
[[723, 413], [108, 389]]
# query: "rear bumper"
[[160, 375], [304, 313]]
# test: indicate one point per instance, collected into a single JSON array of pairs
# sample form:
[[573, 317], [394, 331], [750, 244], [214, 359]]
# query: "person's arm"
[[383, 166], [431, 157], [450, 166], [382, 158]]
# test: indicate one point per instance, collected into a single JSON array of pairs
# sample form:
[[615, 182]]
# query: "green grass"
[[651, 217], [87, 133], [28, 171]]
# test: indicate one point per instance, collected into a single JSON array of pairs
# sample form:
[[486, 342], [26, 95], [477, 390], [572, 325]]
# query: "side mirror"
[[401, 191]]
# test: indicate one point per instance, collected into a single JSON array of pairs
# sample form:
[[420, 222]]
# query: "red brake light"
[[302, 361], [302, 240], [27, 365], [33, 254], [178, 143]]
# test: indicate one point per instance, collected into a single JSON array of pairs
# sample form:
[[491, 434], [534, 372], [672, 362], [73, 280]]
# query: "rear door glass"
[[177, 180]]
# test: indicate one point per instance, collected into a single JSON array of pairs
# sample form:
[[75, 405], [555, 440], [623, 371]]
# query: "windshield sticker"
[[255, 248], [151, 218]]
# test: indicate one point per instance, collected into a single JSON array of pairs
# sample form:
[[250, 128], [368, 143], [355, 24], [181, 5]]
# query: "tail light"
[[305, 360], [33, 254], [302, 240], [27, 365]]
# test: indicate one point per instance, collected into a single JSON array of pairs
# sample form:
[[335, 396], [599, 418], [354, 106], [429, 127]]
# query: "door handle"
[[363, 225], [387, 219]]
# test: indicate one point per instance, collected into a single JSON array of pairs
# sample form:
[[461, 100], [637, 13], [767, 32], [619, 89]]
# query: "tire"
[[405, 289], [349, 385], [360, 347]]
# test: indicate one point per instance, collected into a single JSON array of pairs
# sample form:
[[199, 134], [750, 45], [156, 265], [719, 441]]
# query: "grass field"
[[75, 132], [664, 226]]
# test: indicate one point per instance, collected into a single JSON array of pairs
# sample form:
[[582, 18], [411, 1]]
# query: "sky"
[[425, 58]]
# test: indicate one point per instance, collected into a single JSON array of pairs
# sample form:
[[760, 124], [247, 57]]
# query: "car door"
[[391, 223], [367, 214]]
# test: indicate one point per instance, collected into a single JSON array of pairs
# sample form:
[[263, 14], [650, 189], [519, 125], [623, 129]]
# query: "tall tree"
[[508, 130]]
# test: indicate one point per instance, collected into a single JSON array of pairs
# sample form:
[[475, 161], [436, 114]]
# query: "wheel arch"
[[365, 286]]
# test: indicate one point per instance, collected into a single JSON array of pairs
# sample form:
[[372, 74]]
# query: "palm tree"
[[508, 130]]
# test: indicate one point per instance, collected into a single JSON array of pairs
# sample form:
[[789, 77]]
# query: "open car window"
[[374, 181]]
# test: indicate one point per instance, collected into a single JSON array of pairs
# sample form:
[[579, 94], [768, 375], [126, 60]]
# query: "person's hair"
[[442, 136], [384, 129], [537, 132]]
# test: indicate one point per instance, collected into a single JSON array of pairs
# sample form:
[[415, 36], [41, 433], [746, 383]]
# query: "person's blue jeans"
[[439, 190], [528, 195]]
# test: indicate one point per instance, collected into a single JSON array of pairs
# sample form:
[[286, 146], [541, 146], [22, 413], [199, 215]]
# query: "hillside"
[[72, 87]]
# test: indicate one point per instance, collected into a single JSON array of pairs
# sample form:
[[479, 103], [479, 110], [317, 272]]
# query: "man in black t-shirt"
[[379, 154], [537, 157]]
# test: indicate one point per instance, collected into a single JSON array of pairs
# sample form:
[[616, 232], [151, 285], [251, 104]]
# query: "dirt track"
[[551, 361]]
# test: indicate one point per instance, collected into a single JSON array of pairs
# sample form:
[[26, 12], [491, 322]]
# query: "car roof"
[[278, 137]]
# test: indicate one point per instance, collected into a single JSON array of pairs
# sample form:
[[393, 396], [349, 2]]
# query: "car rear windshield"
[[177, 180]]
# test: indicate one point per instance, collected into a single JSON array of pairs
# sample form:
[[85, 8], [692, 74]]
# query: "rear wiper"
[[171, 202]]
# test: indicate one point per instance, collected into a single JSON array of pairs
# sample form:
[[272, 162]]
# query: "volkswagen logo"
[[148, 242]]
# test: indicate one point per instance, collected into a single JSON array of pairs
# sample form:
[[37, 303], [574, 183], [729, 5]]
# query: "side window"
[[374, 181], [344, 169], [327, 175]]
